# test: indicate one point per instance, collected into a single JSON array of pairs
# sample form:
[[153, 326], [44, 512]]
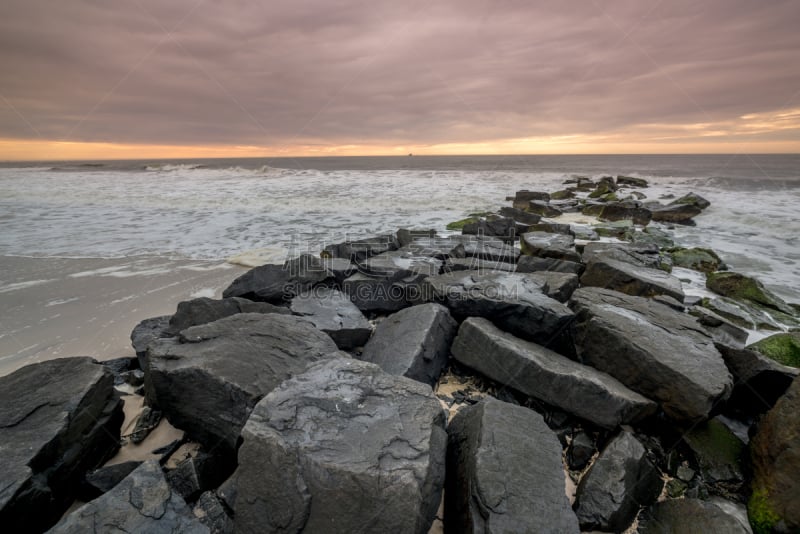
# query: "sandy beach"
[[56, 307]]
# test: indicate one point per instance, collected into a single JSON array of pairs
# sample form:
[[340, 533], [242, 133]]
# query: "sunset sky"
[[89, 79]]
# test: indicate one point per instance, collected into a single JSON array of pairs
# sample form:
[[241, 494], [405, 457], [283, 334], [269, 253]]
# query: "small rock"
[[580, 451]]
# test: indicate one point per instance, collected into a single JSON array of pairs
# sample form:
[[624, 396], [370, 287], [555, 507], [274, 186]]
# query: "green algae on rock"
[[698, 259], [783, 348]]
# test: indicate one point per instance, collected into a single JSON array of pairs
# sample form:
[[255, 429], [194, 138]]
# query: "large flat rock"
[[142, 502], [343, 447], [547, 245], [602, 271], [513, 301], [541, 373], [504, 473], [58, 419], [334, 313], [205, 310], [651, 348], [207, 380], [414, 342]]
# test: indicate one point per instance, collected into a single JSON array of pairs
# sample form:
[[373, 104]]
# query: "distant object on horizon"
[[410, 154]]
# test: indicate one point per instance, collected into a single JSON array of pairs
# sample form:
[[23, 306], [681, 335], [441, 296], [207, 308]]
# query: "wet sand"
[[55, 307]]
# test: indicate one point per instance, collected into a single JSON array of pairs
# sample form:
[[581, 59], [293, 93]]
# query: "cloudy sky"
[[92, 78]]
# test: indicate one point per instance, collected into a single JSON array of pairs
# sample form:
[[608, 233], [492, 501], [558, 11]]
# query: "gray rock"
[[689, 516], [195, 474], [547, 376], [602, 271], [402, 265], [148, 419], [365, 447], [552, 228], [434, 247], [520, 215], [211, 512], [147, 331], [654, 236], [414, 342], [558, 286], [675, 213], [205, 310], [476, 264], [487, 248], [358, 250], [581, 450], [503, 228], [504, 473], [630, 181], [692, 199], [721, 330], [515, 302], [104, 479], [207, 381], [378, 294], [620, 480], [406, 236], [332, 312], [142, 502], [526, 196], [531, 264], [545, 245], [718, 452], [641, 255], [279, 283], [618, 211], [58, 420], [759, 381], [545, 209], [339, 268], [654, 350]]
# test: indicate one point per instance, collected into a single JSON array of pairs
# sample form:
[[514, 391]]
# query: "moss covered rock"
[[774, 504], [603, 188], [562, 195], [740, 287], [718, 452], [698, 259], [459, 225], [783, 348]]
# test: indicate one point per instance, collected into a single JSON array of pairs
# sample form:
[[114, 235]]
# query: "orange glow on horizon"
[[749, 134]]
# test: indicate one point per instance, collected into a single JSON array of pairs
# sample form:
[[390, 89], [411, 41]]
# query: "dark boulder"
[[208, 380], [104, 479], [205, 310], [543, 209], [332, 312], [487, 248], [759, 381], [148, 331], [406, 236], [515, 302], [740, 287], [402, 265], [198, 473], [541, 373], [581, 450], [378, 294], [620, 481], [618, 211], [360, 249], [526, 195], [142, 502], [545, 245], [552, 228], [366, 448], [607, 272], [279, 283], [476, 264], [774, 505], [58, 420], [692, 199], [674, 213], [521, 216], [431, 247], [640, 255], [718, 453], [630, 181], [654, 350], [210, 511], [698, 259], [690, 516], [722, 330], [503, 228], [340, 269], [504, 473], [531, 264], [414, 342]]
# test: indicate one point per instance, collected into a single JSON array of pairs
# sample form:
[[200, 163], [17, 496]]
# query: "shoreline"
[[56, 307]]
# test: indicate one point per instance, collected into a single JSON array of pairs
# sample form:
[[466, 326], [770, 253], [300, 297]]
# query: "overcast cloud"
[[323, 71]]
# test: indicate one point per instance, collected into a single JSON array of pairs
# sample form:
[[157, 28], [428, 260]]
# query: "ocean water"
[[216, 209]]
